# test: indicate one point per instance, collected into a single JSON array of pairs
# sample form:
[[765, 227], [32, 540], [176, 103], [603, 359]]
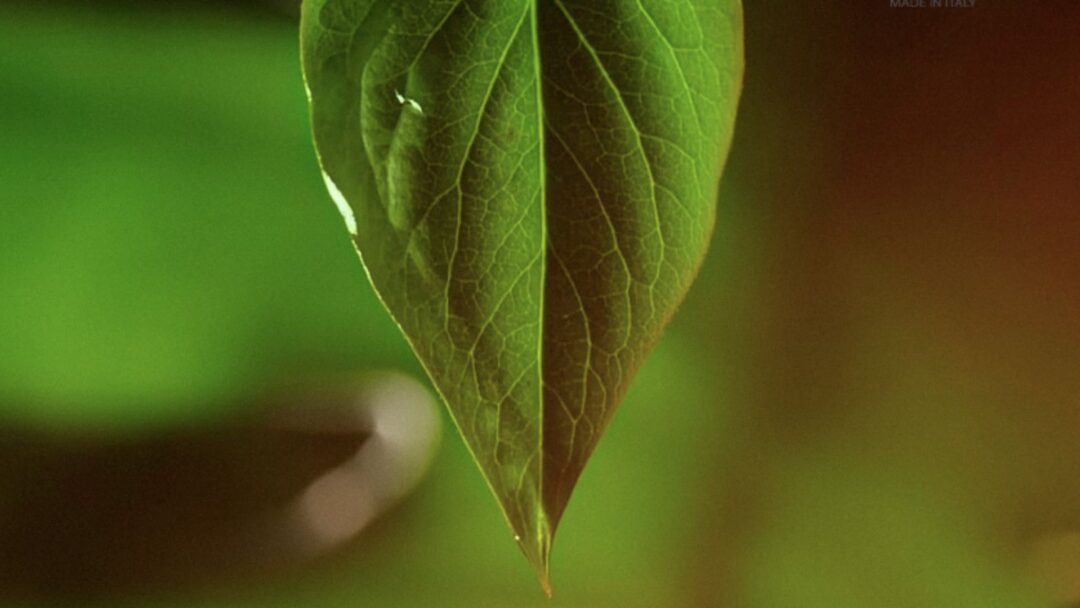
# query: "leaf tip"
[[543, 574], [545, 584], [538, 551]]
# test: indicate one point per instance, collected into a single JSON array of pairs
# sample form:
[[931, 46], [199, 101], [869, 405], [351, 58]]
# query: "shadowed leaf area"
[[531, 185]]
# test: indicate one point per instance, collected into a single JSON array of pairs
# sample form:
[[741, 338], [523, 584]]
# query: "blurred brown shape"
[[916, 295], [88, 517]]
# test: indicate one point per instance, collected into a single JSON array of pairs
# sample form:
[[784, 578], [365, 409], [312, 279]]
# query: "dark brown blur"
[[91, 517], [915, 318]]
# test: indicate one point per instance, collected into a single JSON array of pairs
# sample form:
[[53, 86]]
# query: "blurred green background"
[[871, 398]]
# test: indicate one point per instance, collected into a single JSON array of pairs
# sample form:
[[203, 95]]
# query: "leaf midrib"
[[543, 531]]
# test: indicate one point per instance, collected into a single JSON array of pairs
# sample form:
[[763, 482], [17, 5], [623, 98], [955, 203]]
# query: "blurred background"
[[870, 398]]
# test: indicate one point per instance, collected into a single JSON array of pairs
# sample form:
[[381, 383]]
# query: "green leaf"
[[531, 185]]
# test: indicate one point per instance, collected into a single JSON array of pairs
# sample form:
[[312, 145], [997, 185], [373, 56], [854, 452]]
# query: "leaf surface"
[[531, 185]]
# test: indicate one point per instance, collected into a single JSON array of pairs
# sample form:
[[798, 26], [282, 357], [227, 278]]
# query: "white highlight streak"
[[412, 103], [342, 204]]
